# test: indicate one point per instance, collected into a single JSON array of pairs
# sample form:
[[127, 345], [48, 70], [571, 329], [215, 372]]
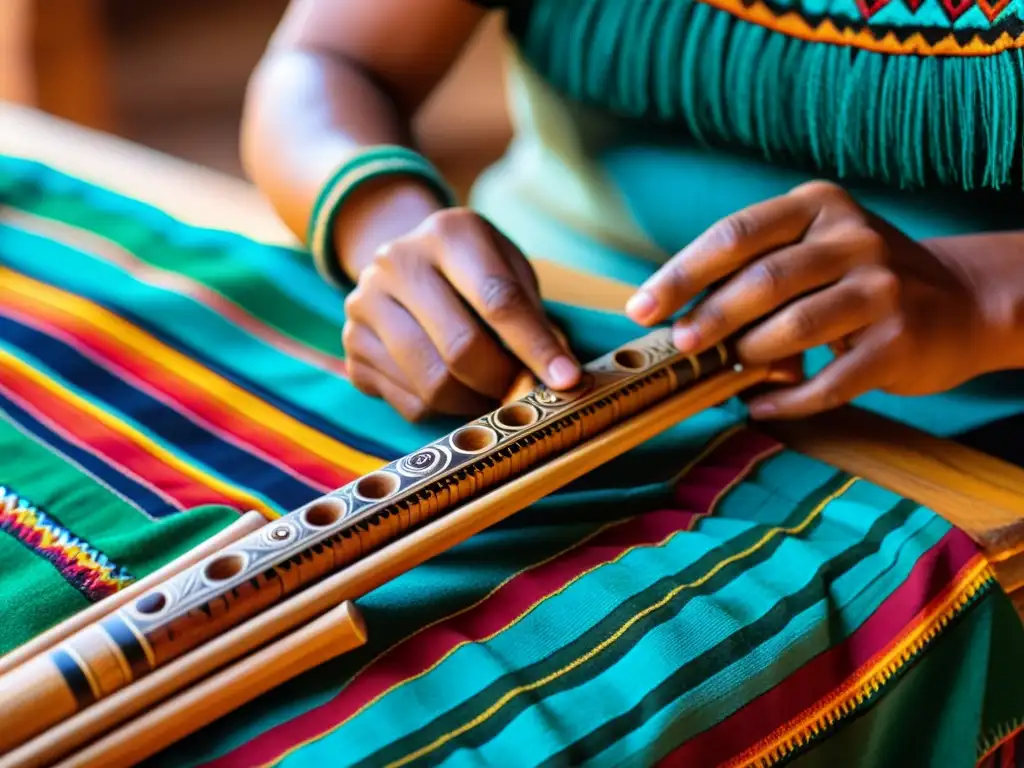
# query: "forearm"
[[305, 111], [991, 266], [341, 75]]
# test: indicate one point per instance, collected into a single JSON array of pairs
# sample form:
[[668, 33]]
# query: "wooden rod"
[[58, 741], [336, 632], [243, 526], [980, 494]]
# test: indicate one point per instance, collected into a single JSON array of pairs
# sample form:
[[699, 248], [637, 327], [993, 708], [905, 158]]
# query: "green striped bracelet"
[[367, 164]]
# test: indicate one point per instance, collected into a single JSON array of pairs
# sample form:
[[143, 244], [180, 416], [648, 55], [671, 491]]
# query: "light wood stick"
[[336, 632], [327, 534], [243, 526], [981, 495], [111, 712]]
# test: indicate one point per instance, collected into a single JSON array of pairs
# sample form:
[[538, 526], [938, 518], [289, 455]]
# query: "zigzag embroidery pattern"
[[1006, 34], [82, 565]]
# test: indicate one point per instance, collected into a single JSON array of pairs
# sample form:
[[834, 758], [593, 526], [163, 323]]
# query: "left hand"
[[813, 268]]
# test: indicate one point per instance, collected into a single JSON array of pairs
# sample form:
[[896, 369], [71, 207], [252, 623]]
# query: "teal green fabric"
[[628, 619]]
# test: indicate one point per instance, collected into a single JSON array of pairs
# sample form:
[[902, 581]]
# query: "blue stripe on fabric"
[[441, 587], [718, 614], [52, 375], [330, 398], [170, 427], [106, 472]]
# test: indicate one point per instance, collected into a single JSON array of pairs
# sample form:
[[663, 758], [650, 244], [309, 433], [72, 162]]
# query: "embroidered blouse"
[[617, 101]]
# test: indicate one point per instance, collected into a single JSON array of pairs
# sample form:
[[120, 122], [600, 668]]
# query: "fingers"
[[399, 350], [498, 294], [861, 299], [467, 349], [720, 251], [371, 382], [870, 365], [437, 321], [362, 344], [761, 288]]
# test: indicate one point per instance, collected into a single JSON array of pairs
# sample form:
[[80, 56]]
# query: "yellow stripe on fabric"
[[608, 642], [245, 500], [112, 252], [225, 393], [703, 454]]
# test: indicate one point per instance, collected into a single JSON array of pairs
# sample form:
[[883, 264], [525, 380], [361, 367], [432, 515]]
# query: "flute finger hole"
[[630, 359], [516, 416], [151, 603], [474, 439], [323, 513], [376, 486], [224, 567]]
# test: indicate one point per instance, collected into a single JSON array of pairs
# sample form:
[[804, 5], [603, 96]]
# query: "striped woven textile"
[[710, 598]]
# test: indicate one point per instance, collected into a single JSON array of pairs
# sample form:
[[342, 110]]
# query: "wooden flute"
[[263, 568]]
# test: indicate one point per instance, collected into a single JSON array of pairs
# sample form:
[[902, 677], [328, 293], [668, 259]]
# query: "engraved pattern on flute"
[[342, 526]]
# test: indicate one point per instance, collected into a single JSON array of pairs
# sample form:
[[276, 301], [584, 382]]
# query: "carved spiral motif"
[[277, 533], [549, 397], [425, 461]]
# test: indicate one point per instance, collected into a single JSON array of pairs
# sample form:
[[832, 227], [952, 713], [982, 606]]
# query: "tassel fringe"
[[904, 120]]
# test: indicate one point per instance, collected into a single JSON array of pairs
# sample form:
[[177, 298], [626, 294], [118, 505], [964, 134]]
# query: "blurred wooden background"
[[171, 75]]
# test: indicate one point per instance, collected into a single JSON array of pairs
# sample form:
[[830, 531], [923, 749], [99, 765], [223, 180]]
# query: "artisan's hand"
[[812, 268], [443, 319]]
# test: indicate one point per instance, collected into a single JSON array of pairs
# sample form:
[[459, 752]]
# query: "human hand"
[[443, 319], [813, 268]]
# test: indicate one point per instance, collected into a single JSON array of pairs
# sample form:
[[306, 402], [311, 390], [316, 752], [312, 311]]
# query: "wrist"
[[1004, 321], [377, 180], [991, 269], [378, 212]]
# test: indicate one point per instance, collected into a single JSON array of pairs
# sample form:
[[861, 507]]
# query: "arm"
[[337, 76], [446, 310]]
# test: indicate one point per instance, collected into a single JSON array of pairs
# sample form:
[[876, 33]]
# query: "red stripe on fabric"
[[108, 444], [167, 385], [933, 574], [1009, 753], [705, 482], [723, 466]]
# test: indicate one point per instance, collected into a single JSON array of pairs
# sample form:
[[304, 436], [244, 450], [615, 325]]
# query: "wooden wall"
[[171, 75]]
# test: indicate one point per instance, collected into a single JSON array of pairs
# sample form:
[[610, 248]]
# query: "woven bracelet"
[[366, 165]]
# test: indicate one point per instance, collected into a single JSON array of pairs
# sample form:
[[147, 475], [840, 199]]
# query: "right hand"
[[444, 318]]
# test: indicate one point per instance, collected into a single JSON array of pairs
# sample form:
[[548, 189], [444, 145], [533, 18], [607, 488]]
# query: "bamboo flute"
[[244, 525], [417, 506], [170, 680], [336, 632]]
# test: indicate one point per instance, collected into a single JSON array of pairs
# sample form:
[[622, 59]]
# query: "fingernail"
[[562, 372], [641, 306], [684, 338], [762, 410]]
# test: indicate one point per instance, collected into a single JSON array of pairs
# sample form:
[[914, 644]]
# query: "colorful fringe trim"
[[871, 680], [82, 565], [907, 109]]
